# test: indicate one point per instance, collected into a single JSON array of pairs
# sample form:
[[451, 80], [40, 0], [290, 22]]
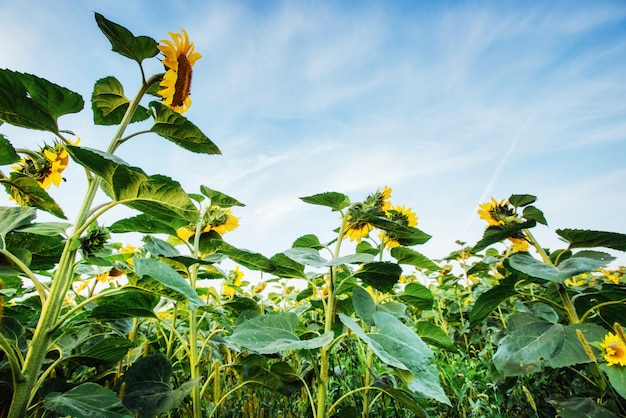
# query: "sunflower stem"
[[25, 389]]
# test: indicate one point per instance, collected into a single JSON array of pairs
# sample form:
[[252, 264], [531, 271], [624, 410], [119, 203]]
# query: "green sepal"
[[32, 102], [7, 152], [173, 126], [125, 43], [334, 200], [219, 198], [109, 103]]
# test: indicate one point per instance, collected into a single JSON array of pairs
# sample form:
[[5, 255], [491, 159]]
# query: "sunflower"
[[520, 244], [358, 230], [380, 199], [179, 59], [220, 220], [185, 232], [494, 212], [614, 350], [45, 165], [401, 215]]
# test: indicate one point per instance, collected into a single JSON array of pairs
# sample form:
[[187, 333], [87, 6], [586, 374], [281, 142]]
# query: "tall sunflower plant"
[[570, 310], [73, 302], [355, 297]]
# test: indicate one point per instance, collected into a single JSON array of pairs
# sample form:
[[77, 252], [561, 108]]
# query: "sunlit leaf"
[[417, 295], [125, 43], [7, 152], [579, 238], [219, 198], [334, 200], [147, 225], [274, 332], [577, 264], [364, 304], [433, 335], [286, 267], [532, 213], [380, 275], [158, 247], [32, 102], [87, 401], [109, 103], [520, 200], [308, 241], [168, 277], [248, 259], [173, 126], [28, 192], [44, 251], [398, 346], [411, 257]]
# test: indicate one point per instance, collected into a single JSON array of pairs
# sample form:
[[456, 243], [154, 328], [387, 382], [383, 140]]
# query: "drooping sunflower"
[[179, 59], [380, 199], [45, 165], [401, 215], [220, 220], [614, 350], [358, 230]]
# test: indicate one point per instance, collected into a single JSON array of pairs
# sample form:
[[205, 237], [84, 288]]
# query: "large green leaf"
[[334, 200], [308, 241], [109, 103], [490, 300], [433, 335], [274, 332], [87, 401], [248, 259], [617, 378], [572, 351], [108, 350], [125, 43], [580, 238], [286, 267], [147, 225], [43, 251], [173, 126], [151, 368], [519, 200], [306, 256], [127, 302], [279, 377], [404, 398], [380, 275], [32, 102], [398, 346], [27, 192], [364, 304], [219, 198], [417, 295], [408, 256], [582, 262], [495, 234], [580, 408], [168, 277], [14, 217], [7, 152], [150, 399], [158, 196]]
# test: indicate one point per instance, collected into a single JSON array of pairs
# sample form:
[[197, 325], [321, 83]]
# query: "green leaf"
[[577, 264], [109, 103], [32, 102], [408, 256], [44, 251], [380, 275], [572, 351], [127, 302], [405, 399], [495, 234], [279, 377], [152, 368], [146, 225], [168, 277], [334, 200], [150, 399], [580, 408], [308, 241], [47, 228], [487, 302], [248, 259], [239, 304], [364, 304], [158, 247], [432, 334], [523, 350], [532, 213], [109, 350], [87, 401], [28, 192], [418, 296], [7, 152], [398, 346], [306, 256], [173, 126], [286, 267], [13, 218], [405, 235], [274, 332], [158, 196], [219, 198], [579, 238], [366, 247], [350, 259], [125, 43], [520, 200], [617, 378]]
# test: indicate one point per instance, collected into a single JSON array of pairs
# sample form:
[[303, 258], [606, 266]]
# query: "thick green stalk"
[[25, 390]]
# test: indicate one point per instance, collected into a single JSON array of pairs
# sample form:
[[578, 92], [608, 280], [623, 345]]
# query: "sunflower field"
[[184, 324]]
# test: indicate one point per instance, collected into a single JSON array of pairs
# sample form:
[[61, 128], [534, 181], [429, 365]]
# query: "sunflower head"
[[496, 213], [379, 200], [614, 350], [220, 220], [179, 58], [401, 215], [45, 165]]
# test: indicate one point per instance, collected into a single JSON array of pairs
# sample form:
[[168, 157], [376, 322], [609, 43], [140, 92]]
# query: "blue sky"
[[449, 103]]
